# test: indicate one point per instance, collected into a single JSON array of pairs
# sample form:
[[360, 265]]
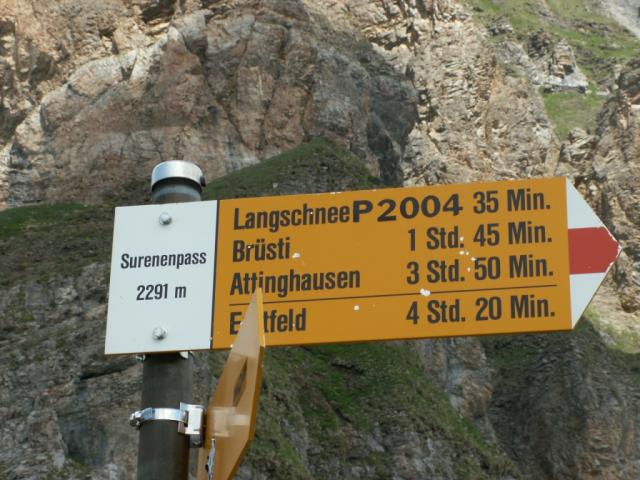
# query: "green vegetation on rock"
[[517, 359], [598, 41], [621, 338], [346, 398], [17, 221], [314, 167], [40, 241], [569, 110]]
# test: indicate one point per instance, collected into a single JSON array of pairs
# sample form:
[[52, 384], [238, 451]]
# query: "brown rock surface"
[[222, 87], [608, 173], [226, 86], [474, 122]]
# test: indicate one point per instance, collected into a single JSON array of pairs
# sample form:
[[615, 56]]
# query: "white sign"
[[162, 271]]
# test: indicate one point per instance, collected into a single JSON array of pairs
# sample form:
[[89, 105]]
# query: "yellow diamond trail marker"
[[400, 263], [231, 414]]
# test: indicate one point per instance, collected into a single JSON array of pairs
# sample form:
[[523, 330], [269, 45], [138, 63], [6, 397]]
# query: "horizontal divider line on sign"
[[409, 294]]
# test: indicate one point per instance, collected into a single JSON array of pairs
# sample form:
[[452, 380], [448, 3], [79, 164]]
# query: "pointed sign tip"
[[591, 250]]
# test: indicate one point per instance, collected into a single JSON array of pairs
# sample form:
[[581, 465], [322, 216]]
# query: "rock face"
[[419, 93], [625, 12], [222, 87], [68, 407], [606, 167], [474, 121], [564, 73], [550, 66], [225, 86], [564, 406]]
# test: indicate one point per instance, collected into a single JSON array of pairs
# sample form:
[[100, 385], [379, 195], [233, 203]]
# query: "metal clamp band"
[[149, 414], [189, 417]]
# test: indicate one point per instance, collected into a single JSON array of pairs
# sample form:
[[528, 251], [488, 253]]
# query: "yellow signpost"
[[472, 259], [231, 414], [402, 263]]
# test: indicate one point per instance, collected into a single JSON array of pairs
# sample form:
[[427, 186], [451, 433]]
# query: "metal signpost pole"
[[167, 378]]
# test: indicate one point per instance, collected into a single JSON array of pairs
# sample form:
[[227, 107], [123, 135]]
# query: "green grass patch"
[[16, 221], [623, 340], [598, 49], [568, 110], [598, 41], [317, 166], [521, 14], [41, 241], [375, 389]]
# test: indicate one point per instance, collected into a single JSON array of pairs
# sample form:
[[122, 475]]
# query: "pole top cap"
[[177, 169]]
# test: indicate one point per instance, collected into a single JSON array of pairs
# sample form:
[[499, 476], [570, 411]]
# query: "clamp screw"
[[135, 420], [159, 333], [165, 218]]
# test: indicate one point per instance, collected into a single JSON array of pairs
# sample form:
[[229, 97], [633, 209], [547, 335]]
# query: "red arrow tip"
[[591, 250]]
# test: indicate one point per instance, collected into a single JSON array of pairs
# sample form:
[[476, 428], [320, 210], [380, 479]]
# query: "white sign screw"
[[165, 218], [159, 333]]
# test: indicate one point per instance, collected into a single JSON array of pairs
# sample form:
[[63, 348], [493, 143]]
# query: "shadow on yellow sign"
[[231, 414]]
